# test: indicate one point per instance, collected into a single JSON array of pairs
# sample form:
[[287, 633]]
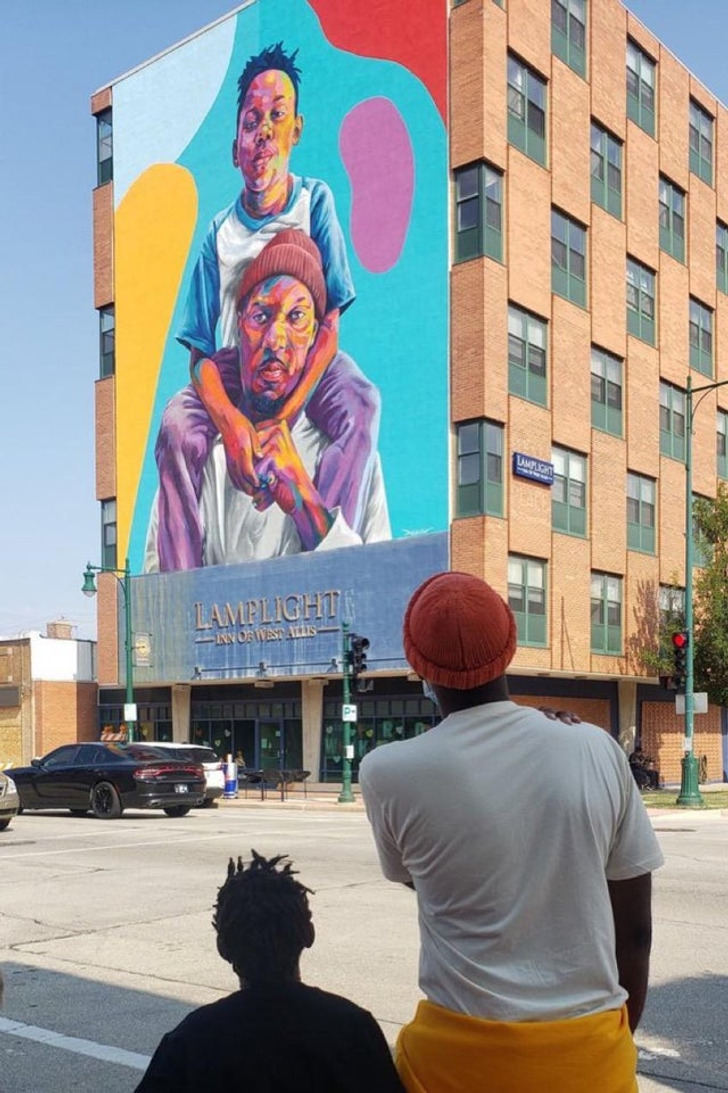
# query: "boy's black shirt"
[[276, 1038]]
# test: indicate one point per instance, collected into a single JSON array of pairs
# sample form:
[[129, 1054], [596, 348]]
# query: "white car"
[[197, 753], [9, 800]]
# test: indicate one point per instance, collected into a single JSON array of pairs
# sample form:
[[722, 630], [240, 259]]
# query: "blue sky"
[[52, 57]]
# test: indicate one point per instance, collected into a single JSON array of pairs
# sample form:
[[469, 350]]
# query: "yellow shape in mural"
[[153, 230]]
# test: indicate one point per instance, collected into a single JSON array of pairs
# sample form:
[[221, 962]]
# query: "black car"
[[107, 778]]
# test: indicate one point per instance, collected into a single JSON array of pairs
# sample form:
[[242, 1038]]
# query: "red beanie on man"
[[290, 253], [458, 632]]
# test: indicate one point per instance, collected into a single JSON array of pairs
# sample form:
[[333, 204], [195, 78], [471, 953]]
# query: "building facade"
[[48, 693], [552, 171]]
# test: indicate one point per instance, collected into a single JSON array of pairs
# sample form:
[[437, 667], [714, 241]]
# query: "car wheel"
[[78, 811], [177, 810], [4, 824], [105, 803]]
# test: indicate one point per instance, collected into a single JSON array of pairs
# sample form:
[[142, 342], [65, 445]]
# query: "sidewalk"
[[317, 795]]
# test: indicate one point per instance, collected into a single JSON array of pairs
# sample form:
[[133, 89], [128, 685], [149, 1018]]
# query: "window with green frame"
[[721, 443], [701, 337], [104, 148], [702, 549], [527, 337], [526, 110], [701, 143], [671, 603], [606, 170], [721, 256], [641, 494], [527, 598], [106, 341], [640, 301], [672, 219], [568, 258], [568, 33], [606, 614], [606, 391], [108, 533], [641, 85], [478, 212], [568, 493], [480, 468], [672, 421]]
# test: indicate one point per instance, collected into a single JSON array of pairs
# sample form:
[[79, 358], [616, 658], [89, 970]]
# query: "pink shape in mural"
[[377, 153]]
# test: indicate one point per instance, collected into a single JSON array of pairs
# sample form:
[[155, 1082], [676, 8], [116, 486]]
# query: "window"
[[606, 170], [480, 468], [640, 301], [701, 337], [527, 598], [108, 533], [701, 143], [721, 256], [106, 341], [702, 548], [641, 493], [104, 148], [568, 493], [640, 88], [721, 444], [606, 614], [672, 421], [568, 33], [568, 258], [672, 219], [479, 212], [606, 391], [671, 602], [526, 110], [526, 356]]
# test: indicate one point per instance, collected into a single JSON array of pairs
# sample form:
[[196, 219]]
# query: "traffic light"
[[680, 643], [358, 646]]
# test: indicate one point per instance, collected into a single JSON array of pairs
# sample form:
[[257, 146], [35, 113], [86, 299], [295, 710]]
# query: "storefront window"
[[381, 721]]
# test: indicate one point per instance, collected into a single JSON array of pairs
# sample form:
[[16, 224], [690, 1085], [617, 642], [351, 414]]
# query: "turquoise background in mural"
[[396, 329]]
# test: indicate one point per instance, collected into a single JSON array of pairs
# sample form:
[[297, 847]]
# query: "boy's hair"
[[262, 918], [271, 58]]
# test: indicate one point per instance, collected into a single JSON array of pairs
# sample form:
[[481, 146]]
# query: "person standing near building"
[[531, 854]]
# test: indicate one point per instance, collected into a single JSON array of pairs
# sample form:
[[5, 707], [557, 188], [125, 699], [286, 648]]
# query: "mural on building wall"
[[281, 285]]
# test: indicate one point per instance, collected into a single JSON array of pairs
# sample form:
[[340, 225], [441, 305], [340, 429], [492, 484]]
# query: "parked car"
[[9, 801], [206, 757], [106, 778]]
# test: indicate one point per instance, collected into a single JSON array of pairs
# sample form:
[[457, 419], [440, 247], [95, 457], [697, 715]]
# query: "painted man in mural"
[[340, 402], [281, 302]]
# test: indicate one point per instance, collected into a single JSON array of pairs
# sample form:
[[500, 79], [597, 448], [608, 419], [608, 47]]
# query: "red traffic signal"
[[680, 639]]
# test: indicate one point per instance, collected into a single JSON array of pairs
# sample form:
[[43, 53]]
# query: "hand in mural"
[[566, 716], [288, 484]]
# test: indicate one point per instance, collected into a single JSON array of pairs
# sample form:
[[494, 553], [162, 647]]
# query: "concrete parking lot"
[[106, 942]]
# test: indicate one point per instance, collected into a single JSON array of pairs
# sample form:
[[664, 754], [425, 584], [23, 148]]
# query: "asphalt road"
[[106, 943]]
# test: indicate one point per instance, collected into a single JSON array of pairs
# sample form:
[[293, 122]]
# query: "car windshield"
[[137, 751], [196, 755]]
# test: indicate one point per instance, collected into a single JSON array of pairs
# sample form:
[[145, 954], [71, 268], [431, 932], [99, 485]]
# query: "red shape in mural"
[[414, 35]]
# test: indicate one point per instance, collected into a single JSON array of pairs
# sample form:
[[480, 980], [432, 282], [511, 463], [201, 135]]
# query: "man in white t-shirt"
[[531, 854]]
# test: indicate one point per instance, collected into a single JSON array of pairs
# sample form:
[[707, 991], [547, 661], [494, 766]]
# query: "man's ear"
[[235, 153], [298, 128], [310, 936]]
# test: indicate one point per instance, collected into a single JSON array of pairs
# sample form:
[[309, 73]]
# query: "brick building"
[[47, 693], [587, 255]]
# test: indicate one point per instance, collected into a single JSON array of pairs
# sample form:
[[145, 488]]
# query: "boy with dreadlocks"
[[274, 1035], [338, 397]]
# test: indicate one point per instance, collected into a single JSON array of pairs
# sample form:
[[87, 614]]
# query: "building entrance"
[[268, 735]]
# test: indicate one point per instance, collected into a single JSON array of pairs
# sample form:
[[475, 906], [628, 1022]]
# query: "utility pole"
[[346, 796]]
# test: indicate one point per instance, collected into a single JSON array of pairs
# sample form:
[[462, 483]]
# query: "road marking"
[[105, 1052], [133, 846]]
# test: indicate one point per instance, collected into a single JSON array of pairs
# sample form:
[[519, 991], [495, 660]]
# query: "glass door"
[[270, 744]]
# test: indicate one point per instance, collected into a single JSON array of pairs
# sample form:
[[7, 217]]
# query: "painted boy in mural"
[[281, 301], [339, 400]]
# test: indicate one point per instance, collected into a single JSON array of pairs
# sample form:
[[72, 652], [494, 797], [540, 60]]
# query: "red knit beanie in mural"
[[294, 254], [458, 632]]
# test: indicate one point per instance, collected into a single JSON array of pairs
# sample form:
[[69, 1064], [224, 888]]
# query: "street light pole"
[[689, 788], [346, 796], [123, 578]]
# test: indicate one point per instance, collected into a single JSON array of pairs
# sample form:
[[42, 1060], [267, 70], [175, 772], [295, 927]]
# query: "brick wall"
[[662, 737], [65, 713]]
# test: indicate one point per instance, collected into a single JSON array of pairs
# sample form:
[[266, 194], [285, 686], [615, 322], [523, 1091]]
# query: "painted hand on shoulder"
[[567, 716], [242, 448]]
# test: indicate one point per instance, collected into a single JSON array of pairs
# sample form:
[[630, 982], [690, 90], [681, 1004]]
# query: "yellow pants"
[[445, 1052]]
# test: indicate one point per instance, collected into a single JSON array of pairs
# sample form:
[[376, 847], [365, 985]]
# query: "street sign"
[[348, 712], [687, 743], [349, 751], [130, 711], [700, 703]]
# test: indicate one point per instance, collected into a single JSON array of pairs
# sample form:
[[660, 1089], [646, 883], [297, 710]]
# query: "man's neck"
[[270, 202], [452, 701]]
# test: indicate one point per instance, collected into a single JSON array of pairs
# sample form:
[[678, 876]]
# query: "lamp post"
[[89, 589], [346, 796], [689, 795]]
